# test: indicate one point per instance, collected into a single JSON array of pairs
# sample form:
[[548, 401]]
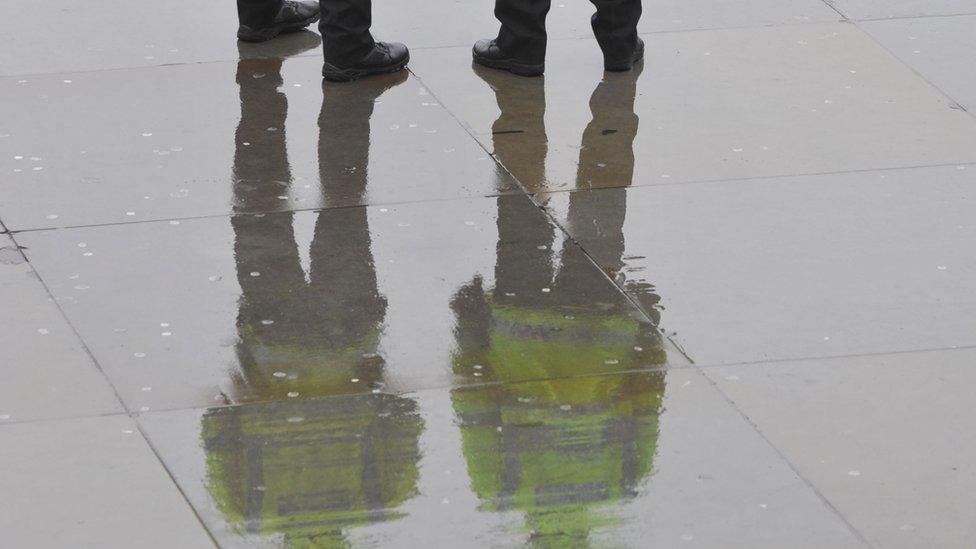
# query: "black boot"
[[294, 15], [385, 57], [487, 53], [625, 63]]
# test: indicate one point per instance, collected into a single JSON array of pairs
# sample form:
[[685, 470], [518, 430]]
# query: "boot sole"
[[333, 73], [514, 67], [247, 34]]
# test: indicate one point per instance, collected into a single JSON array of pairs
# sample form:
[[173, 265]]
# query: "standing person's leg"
[[521, 43], [262, 20], [350, 51], [615, 27]]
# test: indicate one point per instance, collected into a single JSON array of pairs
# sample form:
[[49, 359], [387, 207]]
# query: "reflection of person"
[[349, 48], [606, 162], [307, 469], [557, 449], [521, 43]]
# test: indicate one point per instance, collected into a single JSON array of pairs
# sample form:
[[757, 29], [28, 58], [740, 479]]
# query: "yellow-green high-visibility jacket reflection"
[[564, 448], [308, 470]]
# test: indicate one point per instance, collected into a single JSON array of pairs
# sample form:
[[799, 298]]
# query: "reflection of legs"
[[519, 133], [524, 257], [343, 276], [523, 29], [615, 27], [260, 169], [260, 157]]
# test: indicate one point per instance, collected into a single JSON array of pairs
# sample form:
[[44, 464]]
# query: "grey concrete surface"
[[725, 299]]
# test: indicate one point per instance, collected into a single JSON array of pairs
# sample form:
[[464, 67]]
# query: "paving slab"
[[91, 482], [622, 460], [882, 9], [340, 301], [46, 371], [799, 267], [410, 20], [939, 48], [709, 105], [211, 139], [884, 438], [75, 35]]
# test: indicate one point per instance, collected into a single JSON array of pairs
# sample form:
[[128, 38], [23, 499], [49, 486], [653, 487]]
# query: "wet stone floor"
[[722, 300]]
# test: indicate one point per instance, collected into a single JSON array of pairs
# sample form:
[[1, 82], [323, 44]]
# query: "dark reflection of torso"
[[558, 449], [303, 468]]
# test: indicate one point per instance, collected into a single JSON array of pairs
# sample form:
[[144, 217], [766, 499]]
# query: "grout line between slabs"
[[126, 410], [789, 463], [953, 103]]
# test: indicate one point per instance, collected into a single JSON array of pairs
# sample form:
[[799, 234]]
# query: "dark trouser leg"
[[615, 26], [345, 30], [523, 32], [257, 13]]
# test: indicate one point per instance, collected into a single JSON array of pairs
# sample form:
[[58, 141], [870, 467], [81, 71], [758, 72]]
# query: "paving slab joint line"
[[172, 478], [823, 499], [953, 103], [658, 369], [924, 16], [716, 365], [87, 350], [840, 12]]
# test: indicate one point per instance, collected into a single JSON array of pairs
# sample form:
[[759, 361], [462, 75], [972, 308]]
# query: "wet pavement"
[[722, 300]]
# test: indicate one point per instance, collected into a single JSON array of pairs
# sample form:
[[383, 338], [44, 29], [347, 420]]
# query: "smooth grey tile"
[[618, 460], [409, 21], [941, 49], [211, 139], [885, 438], [341, 301], [881, 9], [76, 35], [46, 372], [708, 105], [90, 482], [792, 267]]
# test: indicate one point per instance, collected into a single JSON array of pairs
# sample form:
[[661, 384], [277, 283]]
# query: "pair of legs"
[[521, 43], [349, 48]]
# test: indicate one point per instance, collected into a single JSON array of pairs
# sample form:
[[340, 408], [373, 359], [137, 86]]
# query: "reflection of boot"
[[344, 136], [519, 133], [286, 46]]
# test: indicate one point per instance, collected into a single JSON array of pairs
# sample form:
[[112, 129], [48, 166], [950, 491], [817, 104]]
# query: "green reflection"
[[303, 470], [309, 470], [564, 450]]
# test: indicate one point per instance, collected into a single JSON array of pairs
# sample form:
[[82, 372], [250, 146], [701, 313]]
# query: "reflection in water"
[[560, 450], [307, 469]]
